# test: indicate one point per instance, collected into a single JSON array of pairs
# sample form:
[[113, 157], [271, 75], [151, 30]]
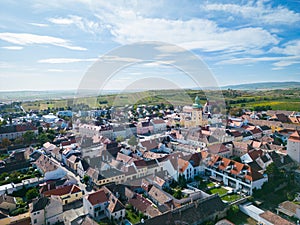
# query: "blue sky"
[[49, 45]]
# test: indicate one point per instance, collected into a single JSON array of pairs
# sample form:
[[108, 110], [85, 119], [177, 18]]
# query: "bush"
[[18, 211], [31, 194]]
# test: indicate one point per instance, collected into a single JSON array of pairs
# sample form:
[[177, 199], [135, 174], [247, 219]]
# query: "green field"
[[276, 99]]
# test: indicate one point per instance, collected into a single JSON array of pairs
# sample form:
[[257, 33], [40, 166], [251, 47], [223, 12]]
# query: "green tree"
[[86, 179], [120, 139], [234, 209], [132, 141], [272, 171], [28, 137], [43, 138], [181, 181], [31, 194], [178, 194], [6, 142], [40, 130]]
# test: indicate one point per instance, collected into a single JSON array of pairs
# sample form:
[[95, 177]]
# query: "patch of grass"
[[220, 191], [231, 198], [211, 184], [132, 217]]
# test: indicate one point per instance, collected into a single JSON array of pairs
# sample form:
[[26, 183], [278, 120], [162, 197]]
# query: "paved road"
[[74, 176]]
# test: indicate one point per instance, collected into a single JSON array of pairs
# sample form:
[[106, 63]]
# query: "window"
[[35, 221]]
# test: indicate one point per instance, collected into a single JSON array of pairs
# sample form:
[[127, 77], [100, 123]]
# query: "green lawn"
[[132, 217], [210, 184], [231, 198], [220, 191]]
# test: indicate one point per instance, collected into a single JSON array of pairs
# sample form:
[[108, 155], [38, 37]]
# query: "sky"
[[50, 45]]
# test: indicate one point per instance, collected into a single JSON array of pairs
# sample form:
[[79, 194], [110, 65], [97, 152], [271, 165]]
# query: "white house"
[[95, 204], [239, 176], [159, 125], [46, 211]]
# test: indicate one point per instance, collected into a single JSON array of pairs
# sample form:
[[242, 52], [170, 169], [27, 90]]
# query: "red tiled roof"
[[70, 189], [97, 197]]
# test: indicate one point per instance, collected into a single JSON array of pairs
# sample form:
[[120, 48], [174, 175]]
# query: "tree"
[[181, 181], [28, 137], [86, 179], [40, 130], [120, 139], [31, 194], [132, 141], [6, 142], [234, 209], [272, 171], [43, 138], [178, 194]]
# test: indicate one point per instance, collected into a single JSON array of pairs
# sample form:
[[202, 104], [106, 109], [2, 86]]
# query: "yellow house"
[[67, 194]]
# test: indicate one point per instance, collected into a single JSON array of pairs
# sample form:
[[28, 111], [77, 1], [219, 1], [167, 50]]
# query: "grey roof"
[[40, 204]]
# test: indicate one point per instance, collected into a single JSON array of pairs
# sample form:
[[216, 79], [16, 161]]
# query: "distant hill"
[[264, 85]]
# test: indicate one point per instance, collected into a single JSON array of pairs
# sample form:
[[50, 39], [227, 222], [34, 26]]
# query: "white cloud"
[[289, 48], [65, 60], [13, 47], [39, 24], [278, 62], [31, 39], [259, 12], [82, 23], [61, 21], [128, 27]]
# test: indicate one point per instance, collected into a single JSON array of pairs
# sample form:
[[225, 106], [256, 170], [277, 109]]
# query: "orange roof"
[[295, 136], [224, 164], [182, 165]]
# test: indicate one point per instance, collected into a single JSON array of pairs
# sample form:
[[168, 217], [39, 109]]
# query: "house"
[[16, 131], [46, 211], [290, 209], [7, 202], [95, 204], [221, 149], [115, 209], [241, 148], [239, 176], [56, 153], [48, 147], [72, 162], [143, 205], [50, 169], [158, 196], [67, 194], [261, 216], [82, 167], [148, 145], [270, 218], [199, 212], [293, 146], [159, 125], [144, 127], [280, 117]]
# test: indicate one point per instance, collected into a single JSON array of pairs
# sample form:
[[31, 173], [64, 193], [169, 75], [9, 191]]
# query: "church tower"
[[197, 119]]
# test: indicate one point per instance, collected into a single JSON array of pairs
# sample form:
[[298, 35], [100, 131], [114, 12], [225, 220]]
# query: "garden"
[[18, 176]]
